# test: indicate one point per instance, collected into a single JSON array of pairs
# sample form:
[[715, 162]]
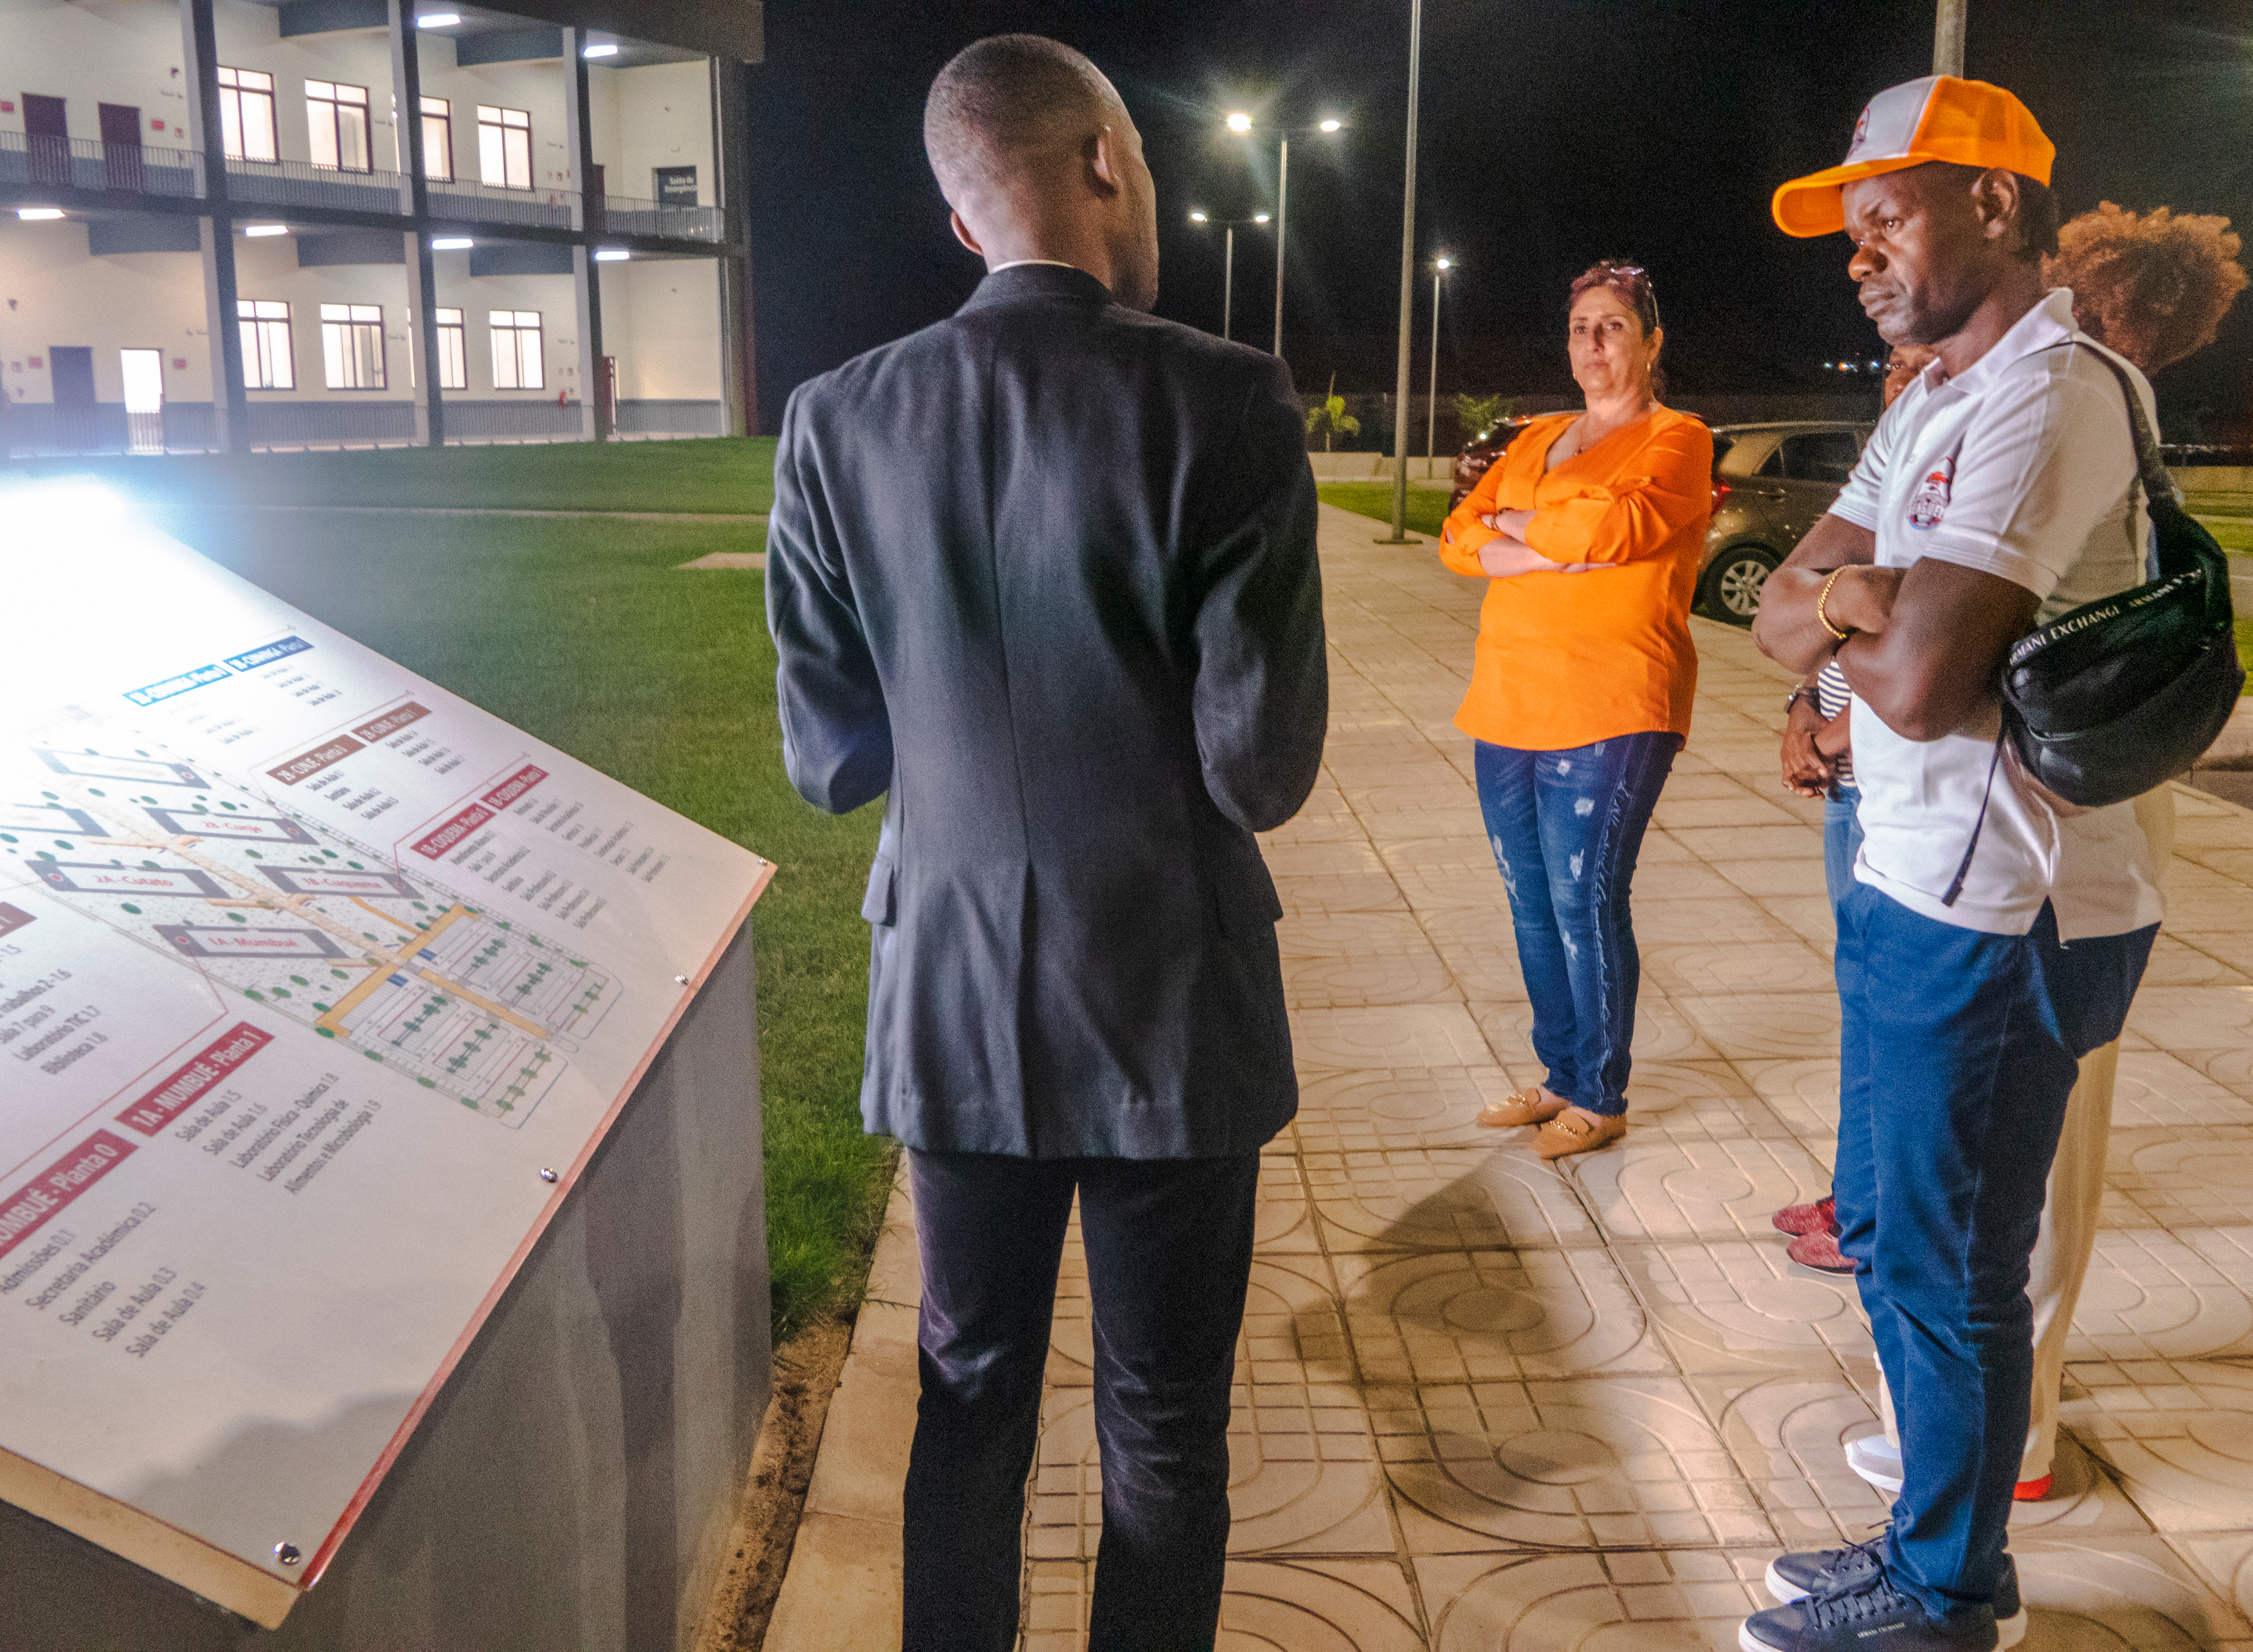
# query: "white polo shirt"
[[2022, 466]]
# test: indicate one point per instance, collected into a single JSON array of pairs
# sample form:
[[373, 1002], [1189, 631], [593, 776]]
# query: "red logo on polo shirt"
[[1929, 503]]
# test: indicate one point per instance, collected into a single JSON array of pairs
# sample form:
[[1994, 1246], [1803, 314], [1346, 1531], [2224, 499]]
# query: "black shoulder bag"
[[2121, 694]]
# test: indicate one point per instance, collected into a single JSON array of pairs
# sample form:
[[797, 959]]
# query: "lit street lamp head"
[[1443, 263], [1198, 216], [1239, 122], [1333, 125], [1258, 218]]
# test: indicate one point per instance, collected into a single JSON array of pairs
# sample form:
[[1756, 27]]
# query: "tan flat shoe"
[[1572, 1131], [1529, 1106]]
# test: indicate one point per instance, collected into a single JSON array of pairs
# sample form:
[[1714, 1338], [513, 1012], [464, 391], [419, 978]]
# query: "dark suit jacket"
[[1046, 571]]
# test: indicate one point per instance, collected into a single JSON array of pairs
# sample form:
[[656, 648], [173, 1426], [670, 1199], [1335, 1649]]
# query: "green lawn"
[[1427, 508], [583, 633], [720, 475], [2230, 531]]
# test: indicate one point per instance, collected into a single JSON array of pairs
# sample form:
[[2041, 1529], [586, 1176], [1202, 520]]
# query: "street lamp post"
[[1199, 215], [1399, 535], [1241, 124], [1440, 266], [1947, 37]]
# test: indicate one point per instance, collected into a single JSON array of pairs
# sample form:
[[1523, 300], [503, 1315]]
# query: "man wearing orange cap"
[[1991, 940]]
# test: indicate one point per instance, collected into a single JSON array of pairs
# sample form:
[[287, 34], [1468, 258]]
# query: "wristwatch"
[[1805, 691]]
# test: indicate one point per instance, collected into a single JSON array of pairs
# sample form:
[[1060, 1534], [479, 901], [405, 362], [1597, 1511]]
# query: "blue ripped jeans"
[[1566, 826]]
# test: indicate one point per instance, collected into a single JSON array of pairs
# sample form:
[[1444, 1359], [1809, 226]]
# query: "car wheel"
[[1731, 590]]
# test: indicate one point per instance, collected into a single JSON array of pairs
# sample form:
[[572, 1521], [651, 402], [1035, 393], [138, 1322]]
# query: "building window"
[[352, 344], [517, 362], [335, 125], [454, 350], [438, 140], [246, 115], [267, 362], [504, 147]]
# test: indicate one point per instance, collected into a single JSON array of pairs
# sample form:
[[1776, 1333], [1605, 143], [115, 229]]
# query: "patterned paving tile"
[[1319, 936], [2157, 1090], [1315, 893], [1733, 922], [1778, 875], [2154, 1295], [1661, 1031], [1733, 808], [1622, 1462], [1770, 1024], [1392, 1036], [1474, 1316], [2190, 1177], [1742, 1306], [2122, 1592], [1697, 968], [1673, 1185], [1675, 1601], [1787, 1437], [1803, 1094], [2178, 1433], [1362, 979], [1441, 1199], [1394, 1108]]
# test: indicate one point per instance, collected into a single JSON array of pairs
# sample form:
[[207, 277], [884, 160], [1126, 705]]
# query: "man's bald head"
[[1010, 104], [1037, 155]]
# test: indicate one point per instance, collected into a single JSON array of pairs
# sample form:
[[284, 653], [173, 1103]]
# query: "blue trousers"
[[1566, 826], [1842, 842], [1957, 1050], [1168, 1259]]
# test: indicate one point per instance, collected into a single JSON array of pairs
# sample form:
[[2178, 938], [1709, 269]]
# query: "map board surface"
[[318, 985]]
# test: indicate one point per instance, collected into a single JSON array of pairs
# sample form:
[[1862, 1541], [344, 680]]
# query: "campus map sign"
[[317, 988]]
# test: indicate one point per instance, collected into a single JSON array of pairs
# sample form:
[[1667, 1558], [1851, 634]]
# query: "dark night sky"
[[1555, 132]]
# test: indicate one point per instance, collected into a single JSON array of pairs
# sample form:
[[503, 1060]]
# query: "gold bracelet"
[[1824, 596]]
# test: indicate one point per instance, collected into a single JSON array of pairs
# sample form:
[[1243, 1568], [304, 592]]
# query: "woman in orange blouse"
[[1589, 531]]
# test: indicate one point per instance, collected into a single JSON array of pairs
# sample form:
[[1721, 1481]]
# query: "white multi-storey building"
[[216, 232]]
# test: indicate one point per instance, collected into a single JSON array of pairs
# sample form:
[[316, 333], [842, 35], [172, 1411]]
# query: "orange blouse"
[[1567, 659]]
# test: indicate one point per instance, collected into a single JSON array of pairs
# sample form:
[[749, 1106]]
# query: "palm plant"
[[1329, 415]]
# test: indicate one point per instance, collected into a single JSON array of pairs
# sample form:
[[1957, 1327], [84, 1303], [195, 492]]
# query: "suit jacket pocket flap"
[[881, 904]]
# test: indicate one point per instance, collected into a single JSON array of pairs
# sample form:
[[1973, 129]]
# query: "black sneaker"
[[1793, 1577], [1866, 1613]]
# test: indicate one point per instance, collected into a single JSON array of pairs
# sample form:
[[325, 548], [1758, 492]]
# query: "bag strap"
[[2160, 488], [1964, 867], [2151, 468]]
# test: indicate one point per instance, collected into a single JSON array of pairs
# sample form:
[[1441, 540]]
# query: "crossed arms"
[[1925, 642]]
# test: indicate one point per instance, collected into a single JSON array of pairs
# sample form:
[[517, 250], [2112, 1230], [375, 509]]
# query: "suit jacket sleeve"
[[836, 735], [1262, 697]]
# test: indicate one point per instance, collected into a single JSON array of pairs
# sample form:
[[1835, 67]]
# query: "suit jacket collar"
[[1021, 282]]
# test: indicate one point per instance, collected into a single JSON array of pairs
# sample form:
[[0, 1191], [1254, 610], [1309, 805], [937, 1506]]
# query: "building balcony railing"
[[37, 162], [80, 164], [280, 184], [623, 215], [489, 204]]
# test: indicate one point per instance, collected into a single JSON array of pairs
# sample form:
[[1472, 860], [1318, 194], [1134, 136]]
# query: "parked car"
[[1771, 483], [1478, 455]]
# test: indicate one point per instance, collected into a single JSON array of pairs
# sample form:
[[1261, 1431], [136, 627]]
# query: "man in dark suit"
[[1046, 573]]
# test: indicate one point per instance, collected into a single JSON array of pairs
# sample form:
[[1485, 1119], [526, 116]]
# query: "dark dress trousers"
[[1045, 572]]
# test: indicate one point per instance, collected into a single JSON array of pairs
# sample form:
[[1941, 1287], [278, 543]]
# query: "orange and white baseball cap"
[[1939, 118]]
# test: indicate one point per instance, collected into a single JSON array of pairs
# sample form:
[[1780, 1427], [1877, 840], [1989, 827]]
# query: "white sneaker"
[[1878, 1460]]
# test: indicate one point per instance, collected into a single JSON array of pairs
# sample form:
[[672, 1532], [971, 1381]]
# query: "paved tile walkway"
[[1488, 1404]]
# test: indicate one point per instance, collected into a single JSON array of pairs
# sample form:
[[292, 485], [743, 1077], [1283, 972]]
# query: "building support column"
[[414, 201], [586, 279], [230, 399], [731, 194]]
